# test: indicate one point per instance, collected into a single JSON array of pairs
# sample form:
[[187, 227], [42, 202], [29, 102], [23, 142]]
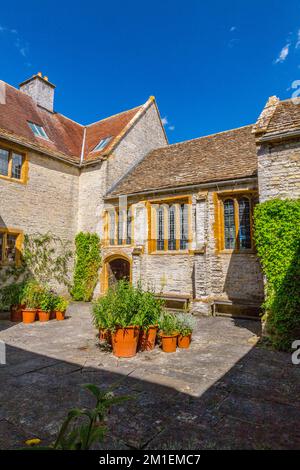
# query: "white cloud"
[[164, 121], [19, 44], [171, 128], [283, 54], [233, 28]]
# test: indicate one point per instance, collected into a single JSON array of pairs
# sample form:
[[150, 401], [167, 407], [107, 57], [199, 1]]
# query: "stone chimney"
[[40, 90]]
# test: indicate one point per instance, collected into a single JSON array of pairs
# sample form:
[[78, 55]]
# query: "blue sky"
[[211, 65]]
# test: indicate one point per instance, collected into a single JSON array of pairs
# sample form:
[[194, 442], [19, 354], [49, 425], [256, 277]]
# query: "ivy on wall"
[[277, 238], [45, 257], [87, 264]]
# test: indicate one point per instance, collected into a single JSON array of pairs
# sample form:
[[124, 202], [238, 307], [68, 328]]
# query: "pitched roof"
[[66, 137], [224, 156], [286, 118]]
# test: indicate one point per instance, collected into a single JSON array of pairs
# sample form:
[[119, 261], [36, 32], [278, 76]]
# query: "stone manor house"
[[177, 218]]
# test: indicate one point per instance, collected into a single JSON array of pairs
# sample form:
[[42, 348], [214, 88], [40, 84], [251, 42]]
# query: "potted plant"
[[45, 305], [30, 298], [10, 298], [151, 310], [117, 315], [124, 322], [186, 323], [168, 332], [60, 307], [102, 315]]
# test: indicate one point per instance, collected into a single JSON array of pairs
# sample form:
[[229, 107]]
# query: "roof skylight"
[[38, 130], [103, 143]]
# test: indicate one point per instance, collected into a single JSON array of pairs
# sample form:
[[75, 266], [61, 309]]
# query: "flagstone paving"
[[223, 393]]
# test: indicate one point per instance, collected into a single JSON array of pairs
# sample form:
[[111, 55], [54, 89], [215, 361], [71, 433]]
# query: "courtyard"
[[225, 392]]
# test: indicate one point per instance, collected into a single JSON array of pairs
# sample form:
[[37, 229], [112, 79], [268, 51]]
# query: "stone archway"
[[116, 267]]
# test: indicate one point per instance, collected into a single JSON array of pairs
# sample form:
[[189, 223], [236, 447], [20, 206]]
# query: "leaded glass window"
[[244, 224], [4, 156], [172, 237], [160, 229], [183, 226], [229, 224]]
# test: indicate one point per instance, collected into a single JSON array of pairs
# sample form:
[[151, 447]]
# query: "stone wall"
[[146, 135], [204, 273], [95, 181], [279, 170], [48, 202]]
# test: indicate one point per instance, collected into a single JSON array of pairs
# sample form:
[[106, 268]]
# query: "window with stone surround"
[[169, 223], [10, 246], [234, 221], [13, 165], [118, 226]]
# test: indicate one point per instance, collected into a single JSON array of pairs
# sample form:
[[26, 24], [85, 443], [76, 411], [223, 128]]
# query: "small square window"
[[38, 130], [103, 143]]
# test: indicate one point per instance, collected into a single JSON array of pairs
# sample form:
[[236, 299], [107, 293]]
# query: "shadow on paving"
[[254, 405]]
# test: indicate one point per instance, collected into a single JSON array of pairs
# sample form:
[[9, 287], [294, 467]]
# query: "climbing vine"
[[87, 264], [45, 257], [277, 238]]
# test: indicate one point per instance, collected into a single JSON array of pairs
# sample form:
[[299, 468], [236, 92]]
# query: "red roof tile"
[[65, 135]]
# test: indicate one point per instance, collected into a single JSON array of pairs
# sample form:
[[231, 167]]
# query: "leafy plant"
[[168, 324], [11, 295], [87, 264], [83, 428], [60, 304], [32, 294], [277, 238], [185, 323], [47, 300], [125, 305]]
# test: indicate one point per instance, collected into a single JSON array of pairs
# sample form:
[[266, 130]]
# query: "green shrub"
[[126, 305], [277, 238], [32, 294], [60, 304], [87, 264], [168, 324], [11, 295], [185, 323]]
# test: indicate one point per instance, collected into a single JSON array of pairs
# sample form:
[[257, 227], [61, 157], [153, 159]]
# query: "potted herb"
[[186, 323], [168, 332], [124, 322], [151, 310], [30, 298], [60, 306], [45, 305]]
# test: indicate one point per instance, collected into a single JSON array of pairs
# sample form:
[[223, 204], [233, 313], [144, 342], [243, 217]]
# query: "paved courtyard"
[[222, 393]]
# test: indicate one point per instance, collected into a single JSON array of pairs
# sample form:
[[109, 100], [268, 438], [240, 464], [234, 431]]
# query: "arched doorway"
[[116, 267]]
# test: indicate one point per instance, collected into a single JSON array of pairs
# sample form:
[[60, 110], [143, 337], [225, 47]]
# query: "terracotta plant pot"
[[43, 316], [169, 343], [16, 313], [184, 341], [28, 315], [60, 315], [147, 339], [125, 341], [52, 315]]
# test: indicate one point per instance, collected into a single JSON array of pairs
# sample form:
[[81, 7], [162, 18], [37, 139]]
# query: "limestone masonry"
[[186, 227]]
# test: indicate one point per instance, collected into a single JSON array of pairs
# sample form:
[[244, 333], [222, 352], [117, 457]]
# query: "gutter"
[[187, 187]]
